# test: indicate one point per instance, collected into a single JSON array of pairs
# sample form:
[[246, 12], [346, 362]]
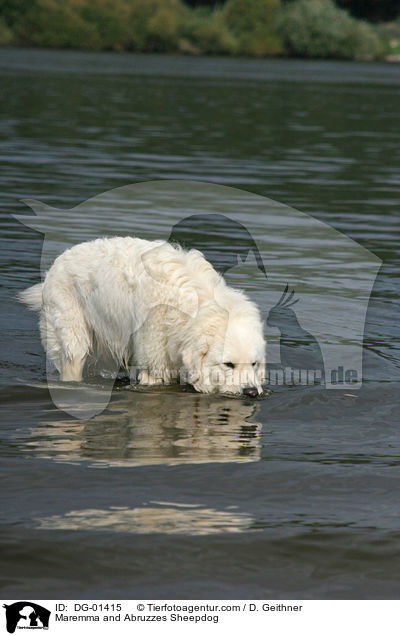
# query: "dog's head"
[[224, 351]]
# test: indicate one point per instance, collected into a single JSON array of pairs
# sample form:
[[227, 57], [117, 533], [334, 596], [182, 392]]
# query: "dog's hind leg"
[[150, 350]]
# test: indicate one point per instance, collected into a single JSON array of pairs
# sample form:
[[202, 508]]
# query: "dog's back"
[[103, 291]]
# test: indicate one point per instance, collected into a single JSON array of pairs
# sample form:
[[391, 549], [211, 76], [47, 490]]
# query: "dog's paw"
[[147, 379]]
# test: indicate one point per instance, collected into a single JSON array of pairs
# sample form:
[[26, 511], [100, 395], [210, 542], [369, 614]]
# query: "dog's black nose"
[[251, 391]]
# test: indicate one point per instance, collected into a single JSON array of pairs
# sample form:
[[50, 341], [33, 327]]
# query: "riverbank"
[[315, 29]]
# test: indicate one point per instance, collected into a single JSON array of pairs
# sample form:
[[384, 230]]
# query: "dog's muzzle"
[[250, 391]]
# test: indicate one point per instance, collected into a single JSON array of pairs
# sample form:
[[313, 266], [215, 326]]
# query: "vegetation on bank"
[[304, 28]]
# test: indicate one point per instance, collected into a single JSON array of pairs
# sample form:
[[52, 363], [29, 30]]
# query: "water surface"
[[170, 494]]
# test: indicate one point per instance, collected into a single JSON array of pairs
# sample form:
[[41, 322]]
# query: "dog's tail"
[[33, 297]]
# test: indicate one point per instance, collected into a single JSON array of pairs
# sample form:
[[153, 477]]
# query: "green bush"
[[6, 34], [261, 43], [318, 28], [12, 11], [109, 21], [205, 32], [253, 22], [146, 25], [389, 34], [364, 41], [306, 28], [52, 23], [155, 23], [246, 16]]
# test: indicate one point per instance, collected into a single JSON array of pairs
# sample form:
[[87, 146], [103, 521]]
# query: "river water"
[[168, 493]]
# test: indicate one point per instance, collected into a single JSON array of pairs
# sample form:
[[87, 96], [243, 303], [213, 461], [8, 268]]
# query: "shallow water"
[[291, 496]]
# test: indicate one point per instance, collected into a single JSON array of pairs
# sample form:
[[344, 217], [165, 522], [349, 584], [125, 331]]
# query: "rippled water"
[[167, 493]]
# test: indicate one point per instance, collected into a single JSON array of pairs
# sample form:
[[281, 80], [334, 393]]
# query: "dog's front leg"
[[150, 378], [147, 379]]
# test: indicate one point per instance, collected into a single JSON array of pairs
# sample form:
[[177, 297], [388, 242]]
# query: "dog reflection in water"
[[157, 428]]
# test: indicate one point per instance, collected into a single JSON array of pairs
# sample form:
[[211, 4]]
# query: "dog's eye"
[[229, 364]]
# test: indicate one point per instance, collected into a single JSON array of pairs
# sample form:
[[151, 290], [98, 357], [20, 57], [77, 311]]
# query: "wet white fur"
[[153, 305]]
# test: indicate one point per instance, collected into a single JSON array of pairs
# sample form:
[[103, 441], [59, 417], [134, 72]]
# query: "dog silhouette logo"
[[299, 349], [221, 239], [322, 334], [26, 615]]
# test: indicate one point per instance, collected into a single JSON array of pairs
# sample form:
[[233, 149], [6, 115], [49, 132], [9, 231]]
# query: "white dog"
[[152, 304]]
